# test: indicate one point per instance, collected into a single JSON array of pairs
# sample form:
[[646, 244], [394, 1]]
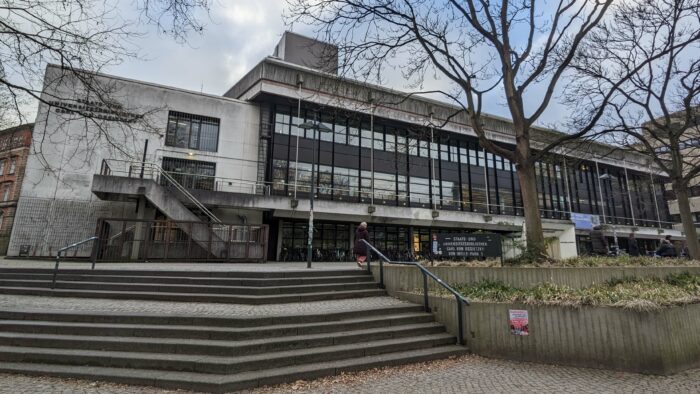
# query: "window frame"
[[175, 117]]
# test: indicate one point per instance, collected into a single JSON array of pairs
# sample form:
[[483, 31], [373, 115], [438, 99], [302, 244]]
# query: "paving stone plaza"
[[460, 374], [467, 374], [305, 226]]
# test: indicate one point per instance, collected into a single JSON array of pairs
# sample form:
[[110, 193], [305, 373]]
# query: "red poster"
[[518, 322]]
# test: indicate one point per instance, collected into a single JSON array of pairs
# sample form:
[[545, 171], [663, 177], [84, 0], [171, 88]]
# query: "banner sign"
[[469, 245], [584, 221], [518, 321]]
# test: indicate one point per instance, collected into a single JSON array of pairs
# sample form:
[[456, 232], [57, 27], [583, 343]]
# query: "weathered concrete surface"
[[165, 200], [467, 374], [658, 342], [403, 278]]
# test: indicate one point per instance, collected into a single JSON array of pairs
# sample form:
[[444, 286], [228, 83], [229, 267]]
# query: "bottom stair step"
[[239, 381]]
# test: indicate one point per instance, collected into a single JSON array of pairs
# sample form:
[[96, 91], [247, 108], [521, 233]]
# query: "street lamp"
[[603, 177], [317, 127]]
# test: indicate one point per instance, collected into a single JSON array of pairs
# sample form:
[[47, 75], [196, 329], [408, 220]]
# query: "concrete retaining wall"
[[661, 342], [403, 278]]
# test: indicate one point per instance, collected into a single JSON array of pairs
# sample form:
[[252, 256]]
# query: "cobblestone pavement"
[[468, 374], [20, 302], [262, 267]]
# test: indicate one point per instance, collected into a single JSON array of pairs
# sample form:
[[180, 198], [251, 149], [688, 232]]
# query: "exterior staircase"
[[192, 286], [206, 352], [169, 200]]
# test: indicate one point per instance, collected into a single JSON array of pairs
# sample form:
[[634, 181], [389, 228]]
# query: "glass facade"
[[192, 131], [447, 172], [334, 241], [191, 174]]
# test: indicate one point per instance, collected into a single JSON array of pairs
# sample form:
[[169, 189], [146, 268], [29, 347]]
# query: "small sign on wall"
[[518, 320]]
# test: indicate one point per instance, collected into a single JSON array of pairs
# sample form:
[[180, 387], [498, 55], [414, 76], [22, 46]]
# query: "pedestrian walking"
[[599, 243], [632, 246], [361, 249]]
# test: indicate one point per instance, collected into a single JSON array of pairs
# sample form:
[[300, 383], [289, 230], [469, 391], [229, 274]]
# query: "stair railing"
[[93, 257], [154, 168], [461, 301]]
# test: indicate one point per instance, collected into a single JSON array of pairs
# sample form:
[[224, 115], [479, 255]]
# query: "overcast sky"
[[238, 34]]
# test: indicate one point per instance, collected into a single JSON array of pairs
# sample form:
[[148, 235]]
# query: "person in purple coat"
[[361, 249]]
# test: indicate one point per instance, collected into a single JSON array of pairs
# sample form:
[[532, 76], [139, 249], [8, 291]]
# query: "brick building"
[[14, 149]]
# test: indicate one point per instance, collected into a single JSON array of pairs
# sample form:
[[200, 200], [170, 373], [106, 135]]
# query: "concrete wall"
[[399, 278], [67, 150], [660, 342], [307, 52]]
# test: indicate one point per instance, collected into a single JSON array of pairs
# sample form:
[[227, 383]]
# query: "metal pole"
[[460, 321], [568, 189], [629, 195], [143, 161], [296, 158], [371, 151], [600, 189], [309, 248], [432, 164], [381, 272], [55, 270], [653, 192], [486, 182], [425, 292]]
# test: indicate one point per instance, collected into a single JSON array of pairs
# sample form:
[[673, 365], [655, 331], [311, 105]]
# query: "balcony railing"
[[133, 169]]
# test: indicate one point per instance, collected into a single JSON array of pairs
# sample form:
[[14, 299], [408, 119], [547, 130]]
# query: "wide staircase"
[[192, 286], [214, 353]]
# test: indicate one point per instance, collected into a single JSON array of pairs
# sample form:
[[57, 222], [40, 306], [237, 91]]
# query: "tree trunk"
[[533, 222], [691, 234]]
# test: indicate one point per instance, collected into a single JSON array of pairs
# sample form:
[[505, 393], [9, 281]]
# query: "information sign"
[[469, 245], [518, 321]]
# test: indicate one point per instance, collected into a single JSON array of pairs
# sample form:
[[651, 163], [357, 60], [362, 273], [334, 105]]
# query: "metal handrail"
[[93, 257], [164, 174], [460, 299]]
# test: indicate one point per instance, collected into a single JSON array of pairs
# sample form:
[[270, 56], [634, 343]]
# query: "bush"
[[633, 293]]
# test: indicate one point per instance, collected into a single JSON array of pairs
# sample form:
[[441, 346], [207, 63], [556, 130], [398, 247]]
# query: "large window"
[[451, 172], [6, 191], [191, 174], [192, 131]]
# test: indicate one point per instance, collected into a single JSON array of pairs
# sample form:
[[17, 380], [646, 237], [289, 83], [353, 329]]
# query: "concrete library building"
[[199, 172]]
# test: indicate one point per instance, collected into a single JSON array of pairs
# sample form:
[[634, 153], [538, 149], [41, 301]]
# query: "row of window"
[[192, 174], [6, 191], [394, 140], [687, 144], [334, 241], [192, 132], [9, 164], [463, 175], [11, 142]]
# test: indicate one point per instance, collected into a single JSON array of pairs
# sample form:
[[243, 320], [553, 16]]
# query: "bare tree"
[[81, 37], [657, 110], [514, 51]]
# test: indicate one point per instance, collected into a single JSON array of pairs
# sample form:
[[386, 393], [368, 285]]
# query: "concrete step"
[[309, 273], [187, 288], [199, 320], [210, 332], [251, 282], [216, 347], [219, 364], [194, 297], [226, 383]]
